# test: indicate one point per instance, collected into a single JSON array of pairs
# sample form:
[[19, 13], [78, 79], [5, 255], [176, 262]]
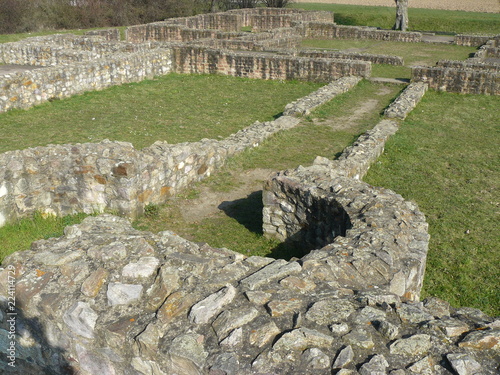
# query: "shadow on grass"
[[248, 212]]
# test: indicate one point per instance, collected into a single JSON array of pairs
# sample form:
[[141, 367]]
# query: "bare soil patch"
[[211, 202], [486, 6]]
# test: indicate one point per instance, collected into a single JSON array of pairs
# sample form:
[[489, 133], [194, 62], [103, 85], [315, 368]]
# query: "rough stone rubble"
[[108, 299]]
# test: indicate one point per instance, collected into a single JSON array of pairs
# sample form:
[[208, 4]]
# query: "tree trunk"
[[401, 15]]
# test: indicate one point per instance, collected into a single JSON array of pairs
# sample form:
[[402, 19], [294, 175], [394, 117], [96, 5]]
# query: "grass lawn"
[[174, 108], [445, 158], [430, 20], [7, 38]]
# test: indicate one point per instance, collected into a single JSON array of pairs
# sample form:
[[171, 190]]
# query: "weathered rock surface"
[[174, 320]]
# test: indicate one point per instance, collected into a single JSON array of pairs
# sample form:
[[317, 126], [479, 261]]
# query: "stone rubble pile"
[[108, 299]]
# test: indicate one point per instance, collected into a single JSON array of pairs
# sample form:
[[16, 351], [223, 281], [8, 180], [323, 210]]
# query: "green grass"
[[173, 108], [323, 133], [430, 20], [412, 54], [445, 157], [19, 235], [7, 38]]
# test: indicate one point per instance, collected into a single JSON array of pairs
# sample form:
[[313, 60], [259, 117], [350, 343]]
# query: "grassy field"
[[445, 157], [429, 20], [174, 108]]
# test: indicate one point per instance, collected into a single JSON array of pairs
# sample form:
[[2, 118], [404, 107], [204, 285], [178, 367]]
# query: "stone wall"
[[165, 31], [407, 101], [197, 59], [113, 176], [458, 80], [472, 40], [65, 179], [373, 58], [23, 90], [214, 25], [477, 75], [108, 34], [330, 31], [107, 299]]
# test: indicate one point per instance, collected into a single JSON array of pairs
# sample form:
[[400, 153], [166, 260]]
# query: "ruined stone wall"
[[330, 31], [202, 60], [165, 31], [477, 75], [468, 80], [214, 25], [65, 179], [407, 101], [473, 63], [65, 49], [373, 58], [299, 14], [23, 90], [472, 40], [108, 299]]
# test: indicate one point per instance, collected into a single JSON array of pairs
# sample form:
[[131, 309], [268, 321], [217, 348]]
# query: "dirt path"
[[487, 6], [211, 202]]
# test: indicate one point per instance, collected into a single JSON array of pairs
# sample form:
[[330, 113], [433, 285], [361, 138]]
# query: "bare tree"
[[401, 15]]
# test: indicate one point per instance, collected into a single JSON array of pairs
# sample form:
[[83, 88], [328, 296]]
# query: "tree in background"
[[401, 15], [12, 16], [277, 3], [34, 15]]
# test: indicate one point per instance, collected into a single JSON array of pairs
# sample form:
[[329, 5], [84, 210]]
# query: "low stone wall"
[[331, 31], [471, 40], [299, 14], [213, 25], [64, 49], [459, 80], [473, 63], [278, 38], [373, 58], [407, 101], [164, 31], [65, 179], [305, 105], [202, 60], [23, 90]]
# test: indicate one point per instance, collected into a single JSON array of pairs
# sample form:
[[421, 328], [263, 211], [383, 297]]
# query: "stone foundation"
[[331, 31], [477, 75]]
